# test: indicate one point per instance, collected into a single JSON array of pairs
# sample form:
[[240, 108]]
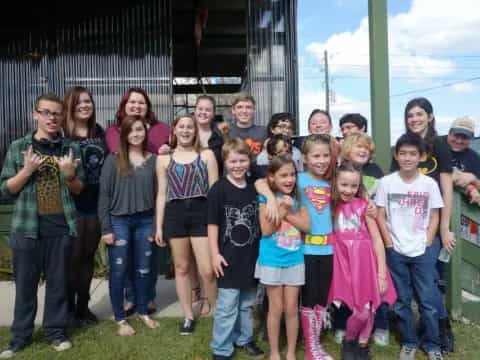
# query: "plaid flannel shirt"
[[25, 214]]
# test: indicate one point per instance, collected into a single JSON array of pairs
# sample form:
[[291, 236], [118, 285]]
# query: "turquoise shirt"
[[283, 248]]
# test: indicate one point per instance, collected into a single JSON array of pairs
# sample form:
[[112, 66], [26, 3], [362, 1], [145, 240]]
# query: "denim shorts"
[[185, 218], [276, 276]]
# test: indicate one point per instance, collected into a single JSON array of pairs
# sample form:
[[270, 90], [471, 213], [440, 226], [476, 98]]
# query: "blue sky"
[[432, 44]]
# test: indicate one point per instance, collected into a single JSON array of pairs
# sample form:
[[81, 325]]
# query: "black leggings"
[[82, 263], [318, 276]]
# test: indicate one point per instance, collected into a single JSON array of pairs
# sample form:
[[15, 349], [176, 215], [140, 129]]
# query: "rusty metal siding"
[[105, 53], [272, 65]]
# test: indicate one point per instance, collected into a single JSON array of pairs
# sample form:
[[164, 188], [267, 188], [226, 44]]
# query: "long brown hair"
[[125, 129], [276, 164], [173, 137], [71, 100]]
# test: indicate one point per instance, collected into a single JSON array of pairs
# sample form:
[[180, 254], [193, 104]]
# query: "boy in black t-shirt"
[[465, 161], [233, 233]]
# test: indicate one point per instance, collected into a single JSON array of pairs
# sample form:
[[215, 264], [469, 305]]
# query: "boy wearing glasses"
[[40, 173]]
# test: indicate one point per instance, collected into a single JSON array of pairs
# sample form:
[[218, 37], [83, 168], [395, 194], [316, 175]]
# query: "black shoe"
[[253, 350], [447, 340], [87, 317], [349, 350], [187, 327], [221, 357], [73, 322], [363, 353]]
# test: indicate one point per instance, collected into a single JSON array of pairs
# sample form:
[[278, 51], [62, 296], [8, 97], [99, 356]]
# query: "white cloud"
[[429, 27], [464, 87]]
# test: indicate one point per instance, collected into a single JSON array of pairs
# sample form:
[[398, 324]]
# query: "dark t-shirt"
[[439, 161], [51, 219], [254, 136], [235, 211], [94, 151], [215, 144], [467, 160]]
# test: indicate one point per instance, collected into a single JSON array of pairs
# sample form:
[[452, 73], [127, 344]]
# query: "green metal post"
[[454, 289], [379, 85]]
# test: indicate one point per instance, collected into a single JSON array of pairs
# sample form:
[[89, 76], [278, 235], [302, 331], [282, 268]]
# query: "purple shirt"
[[158, 135]]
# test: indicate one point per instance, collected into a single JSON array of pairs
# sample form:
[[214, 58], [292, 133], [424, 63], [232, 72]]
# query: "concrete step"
[[167, 304]]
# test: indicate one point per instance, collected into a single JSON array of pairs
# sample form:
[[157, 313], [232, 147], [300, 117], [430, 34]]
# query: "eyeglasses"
[[284, 126], [49, 114]]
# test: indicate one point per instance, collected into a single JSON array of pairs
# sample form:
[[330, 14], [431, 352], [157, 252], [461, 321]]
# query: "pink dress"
[[354, 280]]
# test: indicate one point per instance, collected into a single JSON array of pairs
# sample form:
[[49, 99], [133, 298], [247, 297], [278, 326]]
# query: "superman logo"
[[318, 196]]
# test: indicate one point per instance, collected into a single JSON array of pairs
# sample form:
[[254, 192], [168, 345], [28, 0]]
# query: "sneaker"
[[434, 355], [381, 337], [253, 350], [7, 354], [339, 336], [187, 327], [363, 353], [407, 353], [61, 345], [349, 350]]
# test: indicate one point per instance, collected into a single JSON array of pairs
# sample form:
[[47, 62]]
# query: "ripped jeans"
[[131, 233]]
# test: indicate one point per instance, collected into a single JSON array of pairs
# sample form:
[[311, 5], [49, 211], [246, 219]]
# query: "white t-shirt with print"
[[408, 208]]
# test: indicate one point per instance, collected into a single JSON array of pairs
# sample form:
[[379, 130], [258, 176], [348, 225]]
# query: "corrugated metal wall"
[[272, 48], [107, 54]]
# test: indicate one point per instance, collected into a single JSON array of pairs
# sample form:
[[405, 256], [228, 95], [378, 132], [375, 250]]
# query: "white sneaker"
[[381, 337], [61, 345], [407, 353], [434, 355], [339, 336], [7, 354]]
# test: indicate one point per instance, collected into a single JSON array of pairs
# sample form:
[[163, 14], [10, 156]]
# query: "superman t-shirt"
[[316, 196]]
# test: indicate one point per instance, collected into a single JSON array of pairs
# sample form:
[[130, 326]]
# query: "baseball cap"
[[464, 126]]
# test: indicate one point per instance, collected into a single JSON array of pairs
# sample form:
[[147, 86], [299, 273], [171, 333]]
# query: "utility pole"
[[327, 87]]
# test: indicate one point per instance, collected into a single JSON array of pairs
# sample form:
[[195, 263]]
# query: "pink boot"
[[319, 312], [309, 327]]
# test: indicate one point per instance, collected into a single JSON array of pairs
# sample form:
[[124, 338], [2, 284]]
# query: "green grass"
[[100, 342]]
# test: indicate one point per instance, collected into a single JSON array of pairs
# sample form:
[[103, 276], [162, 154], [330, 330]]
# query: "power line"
[[417, 90]]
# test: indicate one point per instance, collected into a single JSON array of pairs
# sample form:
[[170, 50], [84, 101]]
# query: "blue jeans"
[[439, 278], [415, 274], [131, 243], [233, 322], [152, 287], [382, 317]]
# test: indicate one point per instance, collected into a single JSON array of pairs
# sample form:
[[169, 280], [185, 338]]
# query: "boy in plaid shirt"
[[39, 173]]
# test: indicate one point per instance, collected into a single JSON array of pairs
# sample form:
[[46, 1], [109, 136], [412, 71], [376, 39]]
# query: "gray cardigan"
[[126, 195]]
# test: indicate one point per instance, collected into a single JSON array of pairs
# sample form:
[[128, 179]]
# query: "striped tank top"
[[186, 181]]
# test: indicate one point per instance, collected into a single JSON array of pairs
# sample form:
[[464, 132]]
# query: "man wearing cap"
[[465, 161]]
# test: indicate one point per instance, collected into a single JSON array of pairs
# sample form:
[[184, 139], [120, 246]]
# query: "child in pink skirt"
[[361, 279]]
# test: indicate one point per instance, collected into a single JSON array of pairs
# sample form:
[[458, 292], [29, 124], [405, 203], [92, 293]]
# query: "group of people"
[[311, 220]]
